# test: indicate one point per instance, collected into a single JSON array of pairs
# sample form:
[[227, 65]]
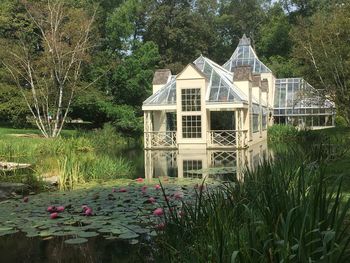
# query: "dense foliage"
[[132, 38]]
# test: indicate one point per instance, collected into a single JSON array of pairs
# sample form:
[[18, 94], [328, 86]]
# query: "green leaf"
[[76, 241], [128, 235], [87, 234]]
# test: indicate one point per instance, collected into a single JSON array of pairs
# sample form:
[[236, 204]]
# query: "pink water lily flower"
[[144, 188], [54, 215], [88, 212], [140, 180], [60, 209], [178, 196], [51, 209], [84, 207], [158, 212], [157, 186], [122, 190]]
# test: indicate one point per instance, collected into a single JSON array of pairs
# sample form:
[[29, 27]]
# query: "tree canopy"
[[132, 38]]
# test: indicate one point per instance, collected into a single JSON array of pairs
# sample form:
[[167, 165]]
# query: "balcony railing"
[[227, 138], [215, 139], [160, 139]]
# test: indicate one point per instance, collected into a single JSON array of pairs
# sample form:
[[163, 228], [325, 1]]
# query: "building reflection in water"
[[220, 164]]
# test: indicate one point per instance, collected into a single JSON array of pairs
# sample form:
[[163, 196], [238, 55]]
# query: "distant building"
[[208, 106]]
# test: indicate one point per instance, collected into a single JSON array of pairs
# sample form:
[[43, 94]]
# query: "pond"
[[125, 214]]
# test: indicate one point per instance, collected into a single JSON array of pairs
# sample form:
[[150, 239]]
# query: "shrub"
[[106, 139], [340, 121]]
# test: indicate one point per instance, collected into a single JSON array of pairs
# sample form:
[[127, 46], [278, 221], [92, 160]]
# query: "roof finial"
[[244, 41]]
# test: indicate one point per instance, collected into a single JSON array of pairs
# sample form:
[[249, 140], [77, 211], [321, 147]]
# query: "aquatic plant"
[[281, 212], [282, 133], [77, 215], [74, 159]]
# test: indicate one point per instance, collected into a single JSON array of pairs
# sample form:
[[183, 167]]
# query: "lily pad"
[[33, 234], [8, 232], [87, 234], [76, 241], [128, 235]]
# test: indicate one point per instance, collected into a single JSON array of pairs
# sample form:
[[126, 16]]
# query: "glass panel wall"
[[298, 103]]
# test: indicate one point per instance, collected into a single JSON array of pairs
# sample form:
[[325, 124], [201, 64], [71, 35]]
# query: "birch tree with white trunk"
[[49, 74]]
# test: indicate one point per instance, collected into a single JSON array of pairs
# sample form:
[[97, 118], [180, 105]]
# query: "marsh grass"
[[73, 158], [282, 133], [284, 211]]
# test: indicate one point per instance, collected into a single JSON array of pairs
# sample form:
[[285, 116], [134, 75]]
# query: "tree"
[[322, 46], [12, 107], [132, 79], [180, 31], [50, 67]]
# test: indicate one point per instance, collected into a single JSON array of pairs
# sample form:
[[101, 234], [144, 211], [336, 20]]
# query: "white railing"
[[227, 138], [160, 139]]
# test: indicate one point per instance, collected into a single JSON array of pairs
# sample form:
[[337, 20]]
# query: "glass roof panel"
[[245, 55], [297, 93], [221, 87], [164, 96]]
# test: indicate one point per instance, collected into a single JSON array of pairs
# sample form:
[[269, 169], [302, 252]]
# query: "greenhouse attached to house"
[[208, 106], [298, 103]]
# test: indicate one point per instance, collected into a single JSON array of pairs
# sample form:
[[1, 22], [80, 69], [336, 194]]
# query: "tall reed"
[[280, 212]]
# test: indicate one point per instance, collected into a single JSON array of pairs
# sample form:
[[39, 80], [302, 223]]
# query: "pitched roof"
[[221, 87], [165, 96]]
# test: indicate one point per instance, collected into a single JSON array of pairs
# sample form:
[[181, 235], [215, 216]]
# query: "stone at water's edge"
[[53, 180]]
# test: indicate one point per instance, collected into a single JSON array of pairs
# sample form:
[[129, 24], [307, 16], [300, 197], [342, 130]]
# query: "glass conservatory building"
[[208, 106]]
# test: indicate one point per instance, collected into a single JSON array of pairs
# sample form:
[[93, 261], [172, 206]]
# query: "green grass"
[[9, 131]]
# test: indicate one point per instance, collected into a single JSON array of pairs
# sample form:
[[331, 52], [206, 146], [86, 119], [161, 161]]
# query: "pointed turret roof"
[[245, 55]]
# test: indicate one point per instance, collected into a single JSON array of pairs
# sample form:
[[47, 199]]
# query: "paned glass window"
[[191, 126], [191, 99]]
